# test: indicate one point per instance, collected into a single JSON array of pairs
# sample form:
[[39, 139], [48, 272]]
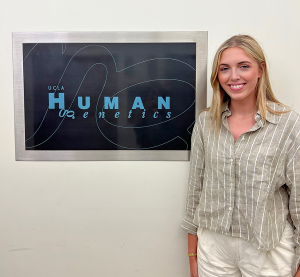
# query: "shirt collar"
[[272, 118], [225, 109]]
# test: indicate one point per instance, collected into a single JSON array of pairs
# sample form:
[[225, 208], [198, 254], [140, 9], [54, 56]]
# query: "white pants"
[[221, 255]]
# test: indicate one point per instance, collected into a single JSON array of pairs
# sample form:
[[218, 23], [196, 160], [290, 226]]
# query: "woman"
[[243, 203]]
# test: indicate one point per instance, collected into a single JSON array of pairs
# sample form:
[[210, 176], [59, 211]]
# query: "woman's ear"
[[262, 68]]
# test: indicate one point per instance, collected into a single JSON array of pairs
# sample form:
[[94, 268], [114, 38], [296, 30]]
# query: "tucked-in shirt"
[[250, 187]]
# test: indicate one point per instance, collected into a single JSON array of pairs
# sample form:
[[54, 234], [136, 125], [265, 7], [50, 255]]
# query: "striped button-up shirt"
[[250, 187]]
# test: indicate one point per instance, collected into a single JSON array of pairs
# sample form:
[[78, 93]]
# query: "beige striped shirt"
[[246, 188]]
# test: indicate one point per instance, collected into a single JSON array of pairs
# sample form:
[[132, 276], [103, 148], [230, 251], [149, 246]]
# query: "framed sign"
[[107, 95]]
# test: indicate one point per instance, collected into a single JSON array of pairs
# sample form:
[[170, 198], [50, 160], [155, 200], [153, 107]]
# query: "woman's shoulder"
[[276, 106], [203, 116], [204, 113], [279, 111], [279, 107]]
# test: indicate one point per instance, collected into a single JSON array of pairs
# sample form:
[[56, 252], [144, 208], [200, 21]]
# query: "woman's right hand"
[[193, 266]]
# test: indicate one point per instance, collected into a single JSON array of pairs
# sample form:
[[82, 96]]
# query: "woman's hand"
[[193, 266], [297, 274]]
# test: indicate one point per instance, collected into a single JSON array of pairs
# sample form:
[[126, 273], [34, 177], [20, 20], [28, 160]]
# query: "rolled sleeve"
[[293, 182], [197, 165]]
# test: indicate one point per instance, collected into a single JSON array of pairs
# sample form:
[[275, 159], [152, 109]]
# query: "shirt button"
[[231, 184], [231, 160], [229, 208]]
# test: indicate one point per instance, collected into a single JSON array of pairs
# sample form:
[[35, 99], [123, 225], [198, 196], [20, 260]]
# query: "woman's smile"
[[237, 87]]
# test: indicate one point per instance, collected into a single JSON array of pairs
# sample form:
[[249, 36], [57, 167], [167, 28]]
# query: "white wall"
[[118, 218]]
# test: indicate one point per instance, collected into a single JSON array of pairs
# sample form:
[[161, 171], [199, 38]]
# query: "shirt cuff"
[[189, 227]]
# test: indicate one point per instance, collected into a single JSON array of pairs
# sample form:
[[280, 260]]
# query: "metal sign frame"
[[198, 37]]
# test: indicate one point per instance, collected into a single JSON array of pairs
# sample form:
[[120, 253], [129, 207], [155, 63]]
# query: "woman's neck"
[[243, 108]]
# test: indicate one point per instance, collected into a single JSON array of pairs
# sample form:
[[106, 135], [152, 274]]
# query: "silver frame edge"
[[199, 37]]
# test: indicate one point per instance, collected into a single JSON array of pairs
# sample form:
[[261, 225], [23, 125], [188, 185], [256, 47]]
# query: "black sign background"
[[123, 70]]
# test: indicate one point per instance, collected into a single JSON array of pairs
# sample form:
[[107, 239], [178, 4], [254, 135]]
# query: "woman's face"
[[238, 74]]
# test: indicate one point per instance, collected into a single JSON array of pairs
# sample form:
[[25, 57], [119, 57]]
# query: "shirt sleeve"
[[197, 164], [293, 182]]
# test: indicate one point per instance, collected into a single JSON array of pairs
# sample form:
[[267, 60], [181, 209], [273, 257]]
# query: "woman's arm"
[[192, 249], [293, 182], [196, 175], [197, 164]]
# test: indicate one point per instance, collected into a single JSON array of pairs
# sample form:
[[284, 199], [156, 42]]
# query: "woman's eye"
[[245, 66], [223, 68]]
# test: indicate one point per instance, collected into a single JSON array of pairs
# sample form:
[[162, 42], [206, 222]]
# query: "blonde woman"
[[243, 203]]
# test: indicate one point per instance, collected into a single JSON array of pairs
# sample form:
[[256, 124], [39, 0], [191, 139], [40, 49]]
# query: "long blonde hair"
[[264, 91]]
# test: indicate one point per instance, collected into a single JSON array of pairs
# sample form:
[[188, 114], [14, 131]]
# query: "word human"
[[110, 103]]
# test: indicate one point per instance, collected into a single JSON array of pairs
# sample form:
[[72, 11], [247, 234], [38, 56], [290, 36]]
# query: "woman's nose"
[[234, 75]]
